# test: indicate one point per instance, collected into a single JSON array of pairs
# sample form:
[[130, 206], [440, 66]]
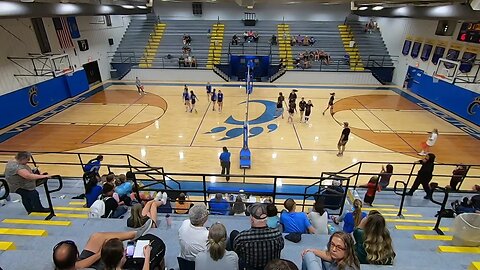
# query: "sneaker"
[[422, 153], [409, 194], [144, 229], [339, 154], [159, 196], [164, 198], [427, 197]]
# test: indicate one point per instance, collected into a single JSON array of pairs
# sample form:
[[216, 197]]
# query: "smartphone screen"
[[130, 248]]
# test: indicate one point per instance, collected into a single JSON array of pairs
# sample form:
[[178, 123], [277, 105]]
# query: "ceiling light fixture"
[[142, 7], [363, 8], [377, 8], [128, 6]]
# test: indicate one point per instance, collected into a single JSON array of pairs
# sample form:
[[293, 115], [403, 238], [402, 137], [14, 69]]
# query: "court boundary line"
[[200, 124], [296, 134], [104, 125], [394, 132]]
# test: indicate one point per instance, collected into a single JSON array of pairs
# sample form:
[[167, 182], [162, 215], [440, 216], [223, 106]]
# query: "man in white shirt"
[[192, 234]]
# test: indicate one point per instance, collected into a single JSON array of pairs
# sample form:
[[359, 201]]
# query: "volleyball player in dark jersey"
[[330, 104], [301, 106], [308, 110], [208, 87], [214, 98], [220, 101], [194, 100], [186, 99], [280, 101], [292, 108]]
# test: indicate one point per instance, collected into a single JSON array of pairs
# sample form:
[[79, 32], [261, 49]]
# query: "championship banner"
[[72, 25]]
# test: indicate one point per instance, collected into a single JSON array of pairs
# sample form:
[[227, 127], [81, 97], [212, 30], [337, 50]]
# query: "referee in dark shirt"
[[260, 244]]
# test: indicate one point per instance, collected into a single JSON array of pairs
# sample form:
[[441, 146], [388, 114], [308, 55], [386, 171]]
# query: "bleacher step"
[[23, 232], [37, 222], [455, 249], [62, 215], [7, 246], [433, 237]]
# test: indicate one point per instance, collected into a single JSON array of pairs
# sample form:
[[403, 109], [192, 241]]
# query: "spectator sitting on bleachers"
[[182, 205], [112, 207], [258, 245], [216, 257], [280, 264], [22, 180], [235, 39], [113, 254], [319, 217], [294, 222], [273, 221], [273, 40], [238, 208], [324, 57], [218, 205], [340, 254], [351, 220], [186, 50], [67, 257], [333, 195], [186, 39], [92, 190], [192, 234], [373, 244], [346, 59], [140, 215]]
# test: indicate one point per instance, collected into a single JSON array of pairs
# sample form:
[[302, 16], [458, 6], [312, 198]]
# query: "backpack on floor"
[[97, 210]]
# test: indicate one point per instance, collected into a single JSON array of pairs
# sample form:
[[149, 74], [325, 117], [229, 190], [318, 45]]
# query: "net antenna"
[[245, 154]]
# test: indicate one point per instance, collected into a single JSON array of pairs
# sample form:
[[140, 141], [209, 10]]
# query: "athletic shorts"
[[341, 143], [98, 265]]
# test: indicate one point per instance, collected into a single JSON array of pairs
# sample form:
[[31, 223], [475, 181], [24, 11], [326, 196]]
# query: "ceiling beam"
[[30, 10]]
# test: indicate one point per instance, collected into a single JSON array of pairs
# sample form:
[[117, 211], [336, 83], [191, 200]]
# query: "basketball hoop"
[[68, 71]]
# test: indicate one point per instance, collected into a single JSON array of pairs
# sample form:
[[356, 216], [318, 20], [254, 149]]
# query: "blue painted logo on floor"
[[255, 125]]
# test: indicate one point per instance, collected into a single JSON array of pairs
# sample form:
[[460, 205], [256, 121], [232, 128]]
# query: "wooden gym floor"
[[155, 128]]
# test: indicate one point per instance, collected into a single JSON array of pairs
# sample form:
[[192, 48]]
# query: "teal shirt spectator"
[[273, 222]]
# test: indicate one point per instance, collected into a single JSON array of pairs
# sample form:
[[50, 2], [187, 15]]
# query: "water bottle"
[[331, 229], [169, 221]]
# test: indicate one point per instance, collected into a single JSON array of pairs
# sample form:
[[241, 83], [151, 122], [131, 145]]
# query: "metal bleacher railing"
[[148, 178]]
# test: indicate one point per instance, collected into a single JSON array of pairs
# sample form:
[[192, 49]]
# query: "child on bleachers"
[[351, 219], [273, 221], [372, 188]]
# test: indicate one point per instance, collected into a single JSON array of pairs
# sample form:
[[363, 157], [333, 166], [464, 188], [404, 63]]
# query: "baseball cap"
[[258, 210]]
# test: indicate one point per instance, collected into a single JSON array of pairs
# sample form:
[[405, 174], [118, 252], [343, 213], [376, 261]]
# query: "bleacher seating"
[[37, 241], [135, 38], [327, 38], [370, 44]]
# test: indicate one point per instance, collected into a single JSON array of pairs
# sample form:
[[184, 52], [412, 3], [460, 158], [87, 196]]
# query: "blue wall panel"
[[27, 101], [453, 98]]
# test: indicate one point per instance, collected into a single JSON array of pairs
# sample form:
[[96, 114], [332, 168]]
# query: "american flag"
[[63, 32]]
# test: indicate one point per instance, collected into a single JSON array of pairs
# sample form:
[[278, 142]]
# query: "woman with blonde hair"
[[216, 257], [352, 219], [340, 255], [432, 139], [373, 243]]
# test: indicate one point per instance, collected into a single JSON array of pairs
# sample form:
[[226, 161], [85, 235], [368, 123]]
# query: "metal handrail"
[[4, 185], [49, 191], [129, 159], [442, 204]]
